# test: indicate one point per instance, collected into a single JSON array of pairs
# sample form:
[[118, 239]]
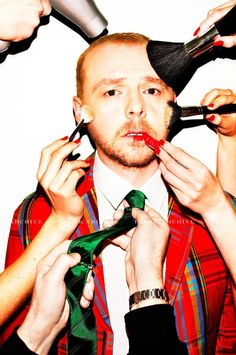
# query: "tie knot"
[[136, 198]]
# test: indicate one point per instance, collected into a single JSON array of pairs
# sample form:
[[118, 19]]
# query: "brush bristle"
[[175, 114], [172, 63], [86, 114]]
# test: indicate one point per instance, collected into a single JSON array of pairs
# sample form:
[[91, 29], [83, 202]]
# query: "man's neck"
[[135, 176]]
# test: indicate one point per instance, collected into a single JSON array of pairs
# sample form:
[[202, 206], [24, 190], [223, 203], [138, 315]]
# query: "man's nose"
[[135, 107]]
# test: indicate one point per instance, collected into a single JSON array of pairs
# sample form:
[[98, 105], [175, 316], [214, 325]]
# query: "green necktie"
[[82, 328]]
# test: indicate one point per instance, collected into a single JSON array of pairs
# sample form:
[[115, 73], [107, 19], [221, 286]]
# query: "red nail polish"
[[218, 44], [197, 31], [157, 150], [211, 118], [77, 141], [64, 138], [211, 105], [161, 142]]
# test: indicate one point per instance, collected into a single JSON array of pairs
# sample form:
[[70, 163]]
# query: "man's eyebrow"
[[108, 82], [154, 80]]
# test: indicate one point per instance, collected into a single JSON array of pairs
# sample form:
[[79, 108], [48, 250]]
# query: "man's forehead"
[[115, 62]]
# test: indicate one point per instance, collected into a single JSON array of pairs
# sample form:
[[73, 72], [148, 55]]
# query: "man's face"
[[127, 98]]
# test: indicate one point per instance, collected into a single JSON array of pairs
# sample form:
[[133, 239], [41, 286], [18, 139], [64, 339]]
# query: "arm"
[[58, 177], [213, 16], [18, 18], [49, 310], [199, 190], [225, 126], [150, 323]]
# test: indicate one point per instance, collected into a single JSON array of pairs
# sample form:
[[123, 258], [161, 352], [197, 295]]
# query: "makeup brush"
[[175, 63], [187, 111], [86, 117]]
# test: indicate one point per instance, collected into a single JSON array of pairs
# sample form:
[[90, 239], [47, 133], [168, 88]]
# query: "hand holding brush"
[[176, 63], [213, 16], [217, 101]]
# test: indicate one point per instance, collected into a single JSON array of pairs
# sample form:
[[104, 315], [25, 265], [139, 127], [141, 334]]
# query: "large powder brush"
[[176, 63]]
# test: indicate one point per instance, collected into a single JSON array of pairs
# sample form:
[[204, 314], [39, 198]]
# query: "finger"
[[225, 98], [56, 160], [122, 241], [47, 8], [178, 162], [172, 179], [61, 265], [48, 260], [212, 95], [46, 153], [72, 181], [88, 291], [212, 17], [229, 41], [69, 172], [109, 223], [215, 119]]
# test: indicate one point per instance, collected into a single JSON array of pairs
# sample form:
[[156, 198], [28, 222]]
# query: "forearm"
[[226, 163], [16, 282], [221, 222]]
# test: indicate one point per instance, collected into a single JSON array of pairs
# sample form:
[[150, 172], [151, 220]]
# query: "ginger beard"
[[126, 151]]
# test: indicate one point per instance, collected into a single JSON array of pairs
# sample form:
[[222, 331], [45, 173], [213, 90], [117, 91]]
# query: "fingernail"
[[211, 105], [218, 44], [211, 118], [77, 141], [197, 31], [161, 142], [76, 256], [64, 138], [157, 150]]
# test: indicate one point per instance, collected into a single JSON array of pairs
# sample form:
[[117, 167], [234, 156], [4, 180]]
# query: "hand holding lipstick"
[[59, 178], [192, 182]]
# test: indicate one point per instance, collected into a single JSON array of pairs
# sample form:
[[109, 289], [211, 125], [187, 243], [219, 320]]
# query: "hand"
[[146, 251], [59, 178], [225, 125], [49, 310], [195, 186], [212, 17], [145, 248], [19, 18]]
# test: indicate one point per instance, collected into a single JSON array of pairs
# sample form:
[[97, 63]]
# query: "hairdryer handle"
[[4, 45]]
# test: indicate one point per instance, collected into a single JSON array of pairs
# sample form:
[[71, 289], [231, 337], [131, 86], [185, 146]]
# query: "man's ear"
[[77, 108]]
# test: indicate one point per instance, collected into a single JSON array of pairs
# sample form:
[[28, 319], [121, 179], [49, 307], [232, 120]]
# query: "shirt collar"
[[114, 188]]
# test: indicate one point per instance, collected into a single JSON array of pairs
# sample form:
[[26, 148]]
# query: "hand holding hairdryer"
[[83, 13]]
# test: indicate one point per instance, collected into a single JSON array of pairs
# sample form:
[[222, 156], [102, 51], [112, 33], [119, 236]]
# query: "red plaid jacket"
[[196, 277]]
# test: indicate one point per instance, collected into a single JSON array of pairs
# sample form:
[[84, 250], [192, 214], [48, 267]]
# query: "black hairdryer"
[[83, 13]]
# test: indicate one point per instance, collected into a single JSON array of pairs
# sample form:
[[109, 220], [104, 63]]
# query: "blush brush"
[[187, 111], [176, 63]]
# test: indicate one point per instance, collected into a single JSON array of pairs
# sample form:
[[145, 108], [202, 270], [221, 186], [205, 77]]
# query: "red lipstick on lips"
[[150, 141]]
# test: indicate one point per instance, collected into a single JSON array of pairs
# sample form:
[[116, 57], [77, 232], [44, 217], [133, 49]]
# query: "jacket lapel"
[[181, 229]]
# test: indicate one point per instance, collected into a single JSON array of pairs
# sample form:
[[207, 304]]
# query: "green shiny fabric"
[[82, 327]]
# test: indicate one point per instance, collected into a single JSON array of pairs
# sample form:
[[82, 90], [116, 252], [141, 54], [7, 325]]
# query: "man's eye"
[[111, 92], [152, 91]]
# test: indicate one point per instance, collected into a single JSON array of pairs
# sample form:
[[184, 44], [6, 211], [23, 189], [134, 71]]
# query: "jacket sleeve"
[[14, 345], [153, 327]]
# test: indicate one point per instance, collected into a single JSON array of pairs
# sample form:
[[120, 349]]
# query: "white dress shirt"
[[111, 190]]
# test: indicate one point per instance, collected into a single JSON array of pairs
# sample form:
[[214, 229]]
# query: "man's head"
[[126, 96]]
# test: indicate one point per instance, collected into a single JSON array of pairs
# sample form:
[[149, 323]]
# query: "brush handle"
[[204, 110]]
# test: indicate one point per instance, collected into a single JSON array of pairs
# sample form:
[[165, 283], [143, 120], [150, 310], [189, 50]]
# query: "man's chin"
[[134, 159]]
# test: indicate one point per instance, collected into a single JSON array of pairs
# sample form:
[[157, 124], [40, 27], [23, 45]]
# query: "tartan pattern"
[[196, 278]]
